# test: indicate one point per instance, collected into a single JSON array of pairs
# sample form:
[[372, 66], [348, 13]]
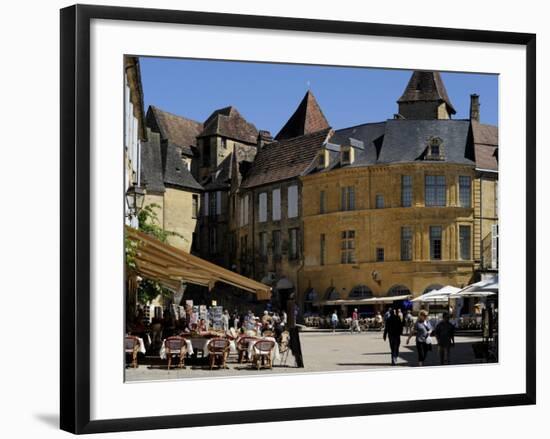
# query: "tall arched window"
[[310, 295], [399, 290], [332, 294], [360, 292]]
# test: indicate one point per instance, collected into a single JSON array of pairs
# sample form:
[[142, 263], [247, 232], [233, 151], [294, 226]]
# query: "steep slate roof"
[[162, 166], [228, 122], [175, 171], [285, 159], [308, 118], [426, 86], [221, 178], [486, 145], [151, 163], [407, 140], [176, 129]]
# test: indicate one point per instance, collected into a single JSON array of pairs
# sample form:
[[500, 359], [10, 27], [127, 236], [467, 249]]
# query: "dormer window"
[[322, 159], [346, 155], [435, 149]]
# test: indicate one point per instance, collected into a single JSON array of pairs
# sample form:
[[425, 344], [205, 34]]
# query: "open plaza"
[[322, 352]]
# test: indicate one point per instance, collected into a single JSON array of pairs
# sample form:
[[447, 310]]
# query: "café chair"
[[131, 347], [218, 348], [175, 347], [262, 353], [243, 344]]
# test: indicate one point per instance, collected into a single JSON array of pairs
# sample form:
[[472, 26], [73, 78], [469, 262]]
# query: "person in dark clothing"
[[445, 334], [392, 330]]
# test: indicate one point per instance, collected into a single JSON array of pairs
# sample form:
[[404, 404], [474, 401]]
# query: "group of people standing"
[[423, 332]]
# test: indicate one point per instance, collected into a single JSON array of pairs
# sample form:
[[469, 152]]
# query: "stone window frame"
[[407, 255], [347, 247], [465, 190], [435, 149], [432, 240], [461, 240]]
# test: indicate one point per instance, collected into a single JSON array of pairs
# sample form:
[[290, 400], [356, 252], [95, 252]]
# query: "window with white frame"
[[262, 210], [276, 204], [292, 199]]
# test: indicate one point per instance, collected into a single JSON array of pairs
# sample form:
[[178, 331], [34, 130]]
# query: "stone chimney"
[[264, 137], [474, 107]]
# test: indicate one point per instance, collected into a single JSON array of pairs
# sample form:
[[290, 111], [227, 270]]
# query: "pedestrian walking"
[[445, 334], [355, 322], [408, 322], [334, 321], [392, 330], [421, 330]]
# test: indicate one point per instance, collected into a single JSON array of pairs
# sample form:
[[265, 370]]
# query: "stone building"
[[226, 143], [134, 127], [267, 229], [166, 174], [402, 206]]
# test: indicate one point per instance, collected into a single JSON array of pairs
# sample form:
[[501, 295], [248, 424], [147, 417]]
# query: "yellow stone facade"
[[380, 228], [175, 214]]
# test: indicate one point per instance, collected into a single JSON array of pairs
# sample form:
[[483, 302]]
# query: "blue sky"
[[267, 94]]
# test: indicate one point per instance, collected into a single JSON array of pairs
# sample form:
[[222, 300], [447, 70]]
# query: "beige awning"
[[171, 266], [368, 301]]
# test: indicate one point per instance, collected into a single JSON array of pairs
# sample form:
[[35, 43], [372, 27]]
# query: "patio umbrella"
[[482, 288], [441, 295]]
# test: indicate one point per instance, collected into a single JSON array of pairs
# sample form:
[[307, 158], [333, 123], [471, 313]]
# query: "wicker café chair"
[[131, 347], [243, 344], [262, 353], [176, 347], [218, 348]]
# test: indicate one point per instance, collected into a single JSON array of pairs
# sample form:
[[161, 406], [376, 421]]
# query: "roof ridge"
[[155, 108]]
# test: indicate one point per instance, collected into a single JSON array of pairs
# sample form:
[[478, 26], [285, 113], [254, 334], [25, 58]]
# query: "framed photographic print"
[[339, 213]]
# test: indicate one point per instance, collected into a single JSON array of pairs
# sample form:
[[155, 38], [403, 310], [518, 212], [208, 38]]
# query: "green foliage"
[[149, 289], [149, 223]]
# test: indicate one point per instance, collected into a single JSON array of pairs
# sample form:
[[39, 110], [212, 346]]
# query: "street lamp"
[[135, 196]]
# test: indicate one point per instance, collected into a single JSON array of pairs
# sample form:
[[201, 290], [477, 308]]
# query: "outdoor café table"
[[162, 352], [201, 343], [275, 355], [141, 345]]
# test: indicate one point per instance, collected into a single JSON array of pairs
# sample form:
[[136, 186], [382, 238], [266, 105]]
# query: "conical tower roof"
[[426, 86], [308, 118]]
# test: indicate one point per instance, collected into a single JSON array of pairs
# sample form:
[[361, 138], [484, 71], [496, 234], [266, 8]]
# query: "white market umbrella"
[[482, 288], [441, 295]]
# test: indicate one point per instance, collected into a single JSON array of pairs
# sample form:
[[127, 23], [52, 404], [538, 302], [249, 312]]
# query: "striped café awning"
[[171, 266]]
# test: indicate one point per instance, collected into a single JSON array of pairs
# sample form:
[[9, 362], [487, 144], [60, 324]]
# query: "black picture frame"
[[75, 217]]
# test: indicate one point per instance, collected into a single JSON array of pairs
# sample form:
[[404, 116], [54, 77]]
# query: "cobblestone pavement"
[[321, 352]]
